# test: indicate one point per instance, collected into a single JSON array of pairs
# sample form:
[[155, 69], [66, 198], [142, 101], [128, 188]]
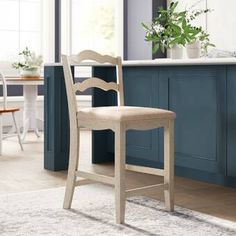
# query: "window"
[[25, 23], [95, 27], [92, 24]]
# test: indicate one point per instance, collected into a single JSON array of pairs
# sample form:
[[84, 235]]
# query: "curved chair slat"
[[95, 83], [94, 56]]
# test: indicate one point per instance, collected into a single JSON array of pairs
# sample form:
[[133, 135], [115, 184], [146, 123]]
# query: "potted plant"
[[198, 45], [199, 42], [188, 34], [29, 65], [165, 31], [172, 29]]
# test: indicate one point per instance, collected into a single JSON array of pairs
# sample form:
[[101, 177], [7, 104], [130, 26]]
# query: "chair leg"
[[169, 165], [73, 165], [120, 153], [17, 131]]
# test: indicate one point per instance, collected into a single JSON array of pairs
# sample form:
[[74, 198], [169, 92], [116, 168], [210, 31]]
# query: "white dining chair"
[[7, 110], [119, 119]]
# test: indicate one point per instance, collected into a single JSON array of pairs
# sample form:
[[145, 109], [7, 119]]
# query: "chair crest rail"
[[91, 55]]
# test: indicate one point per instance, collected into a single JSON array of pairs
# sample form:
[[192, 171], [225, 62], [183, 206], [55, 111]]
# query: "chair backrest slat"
[[95, 83], [4, 90]]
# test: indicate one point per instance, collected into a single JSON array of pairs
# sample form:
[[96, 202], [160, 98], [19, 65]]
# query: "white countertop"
[[166, 62], [176, 62]]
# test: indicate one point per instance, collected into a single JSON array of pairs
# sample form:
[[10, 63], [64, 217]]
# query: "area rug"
[[92, 214]]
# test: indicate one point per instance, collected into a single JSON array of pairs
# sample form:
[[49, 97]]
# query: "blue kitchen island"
[[202, 92]]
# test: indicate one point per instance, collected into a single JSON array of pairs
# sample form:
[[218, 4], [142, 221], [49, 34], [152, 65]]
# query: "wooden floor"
[[23, 171]]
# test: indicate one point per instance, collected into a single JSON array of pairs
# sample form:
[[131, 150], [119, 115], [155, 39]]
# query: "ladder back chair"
[[119, 119], [5, 110]]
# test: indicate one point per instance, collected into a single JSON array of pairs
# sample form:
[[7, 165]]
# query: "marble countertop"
[[166, 62]]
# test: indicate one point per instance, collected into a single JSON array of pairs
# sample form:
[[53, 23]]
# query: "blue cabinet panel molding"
[[198, 96], [231, 121]]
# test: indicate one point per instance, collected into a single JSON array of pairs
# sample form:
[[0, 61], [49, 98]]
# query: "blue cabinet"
[[203, 97], [56, 120], [198, 96]]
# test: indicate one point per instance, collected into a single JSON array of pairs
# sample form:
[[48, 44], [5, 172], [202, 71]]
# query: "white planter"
[[177, 52], [193, 50], [34, 72]]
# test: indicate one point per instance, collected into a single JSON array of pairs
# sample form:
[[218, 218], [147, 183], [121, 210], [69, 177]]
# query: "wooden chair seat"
[[7, 110], [123, 113]]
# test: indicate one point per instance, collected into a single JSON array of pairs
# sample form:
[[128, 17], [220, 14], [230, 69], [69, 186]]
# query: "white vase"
[[32, 72], [193, 50], [177, 52]]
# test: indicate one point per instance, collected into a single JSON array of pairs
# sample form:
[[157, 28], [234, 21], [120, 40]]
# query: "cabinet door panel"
[[197, 95]]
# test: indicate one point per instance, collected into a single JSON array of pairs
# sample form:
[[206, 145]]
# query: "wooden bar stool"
[[119, 119], [6, 110]]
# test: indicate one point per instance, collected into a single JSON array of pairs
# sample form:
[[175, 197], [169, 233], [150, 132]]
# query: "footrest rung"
[[5, 136], [146, 170], [136, 191], [96, 177], [84, 182]]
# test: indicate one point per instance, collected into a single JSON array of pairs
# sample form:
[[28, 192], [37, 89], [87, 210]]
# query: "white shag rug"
[[92, 214]]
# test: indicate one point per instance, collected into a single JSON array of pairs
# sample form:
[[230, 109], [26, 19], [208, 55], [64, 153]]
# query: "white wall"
[[188, 4], [220, 23]]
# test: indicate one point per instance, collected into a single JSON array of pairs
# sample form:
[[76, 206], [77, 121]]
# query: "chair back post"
[[71, 96], [119, 77], [4, 90]]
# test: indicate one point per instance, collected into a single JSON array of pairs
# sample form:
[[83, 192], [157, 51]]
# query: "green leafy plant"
[[165, 30], [205, 41], [171, 27], [29, 60]]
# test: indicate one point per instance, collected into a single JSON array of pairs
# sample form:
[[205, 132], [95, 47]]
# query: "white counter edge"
[[165, 62]]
